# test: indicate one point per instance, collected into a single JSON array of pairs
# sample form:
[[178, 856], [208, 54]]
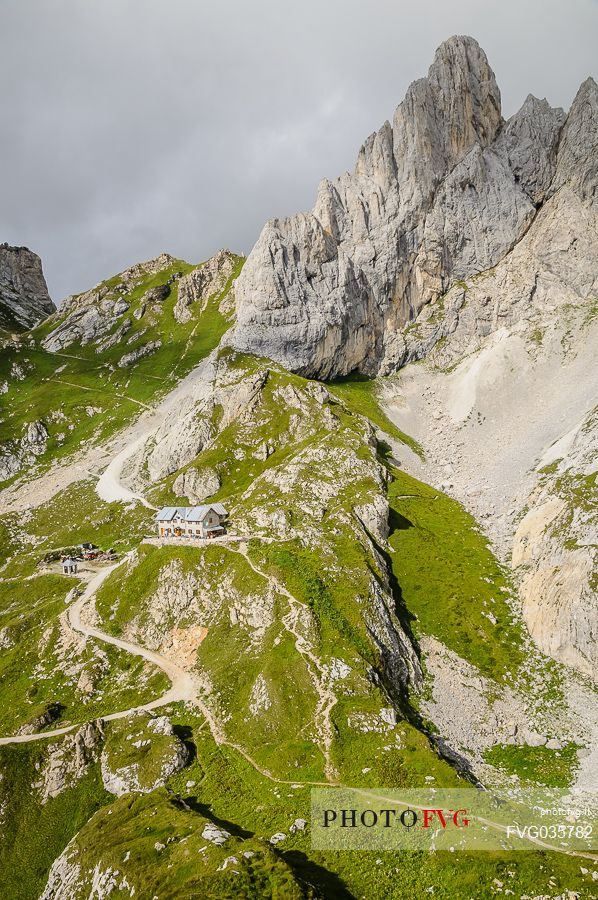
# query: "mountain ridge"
[[368, 618], [445, 192]]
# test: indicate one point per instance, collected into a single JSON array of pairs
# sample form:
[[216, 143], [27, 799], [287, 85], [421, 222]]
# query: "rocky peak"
[[577, 163], [529, 144], [202, 283], [460, 101], [445, 192], [150, 267], [24, 298]]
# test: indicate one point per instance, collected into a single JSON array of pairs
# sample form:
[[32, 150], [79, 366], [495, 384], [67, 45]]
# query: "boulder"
[[129, 359], [197, 485]]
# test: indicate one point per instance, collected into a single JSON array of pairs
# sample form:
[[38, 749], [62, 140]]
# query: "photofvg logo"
[[394, 817], [437, 819]]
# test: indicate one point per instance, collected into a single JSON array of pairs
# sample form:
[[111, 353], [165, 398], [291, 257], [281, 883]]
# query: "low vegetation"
[[536, 765], [264, 624], [82, 395], [449, 579]]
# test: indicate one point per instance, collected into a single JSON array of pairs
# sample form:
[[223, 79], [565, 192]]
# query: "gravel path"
[[182, 685], [107, 460]]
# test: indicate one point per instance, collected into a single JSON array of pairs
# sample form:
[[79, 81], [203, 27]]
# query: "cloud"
[[129, 127]]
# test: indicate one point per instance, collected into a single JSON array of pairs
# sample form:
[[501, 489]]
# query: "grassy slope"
[[90, 379], [34, 668], [77, 515], [33, 835], [332, 580], [231, 793], [36, 672], [440, 562], [74, 516], [449, 579], [536, 765], [359, 394]]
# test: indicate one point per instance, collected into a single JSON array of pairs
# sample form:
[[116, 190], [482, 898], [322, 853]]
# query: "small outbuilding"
[[69, 566]]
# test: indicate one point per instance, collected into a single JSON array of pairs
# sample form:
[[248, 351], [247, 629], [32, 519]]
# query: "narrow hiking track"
[[496, 826], [184, 685], [326, 697], [109, 486], [94, 390], [31, 492]]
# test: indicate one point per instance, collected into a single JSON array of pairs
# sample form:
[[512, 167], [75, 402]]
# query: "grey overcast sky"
[[129, 127]]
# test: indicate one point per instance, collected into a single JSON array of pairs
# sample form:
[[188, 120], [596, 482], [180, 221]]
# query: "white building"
[[191, 521], [69, 566]]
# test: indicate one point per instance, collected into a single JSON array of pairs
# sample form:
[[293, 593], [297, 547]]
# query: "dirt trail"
[[94, 390], [326, 697], [496, 826], [182, 686], [26, 494], [109, 486]]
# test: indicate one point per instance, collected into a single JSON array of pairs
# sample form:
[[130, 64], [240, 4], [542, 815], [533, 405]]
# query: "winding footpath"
[[184, 687], [326, 697], [182, 684]]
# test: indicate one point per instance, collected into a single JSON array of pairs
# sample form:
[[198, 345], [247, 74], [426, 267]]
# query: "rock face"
[[555, 551], [91, 316], [127, 359], [24, 298], [69, 759], [204, 281], [97, 316], [16, 454], [446, 191], [86, 323], [197, 484]]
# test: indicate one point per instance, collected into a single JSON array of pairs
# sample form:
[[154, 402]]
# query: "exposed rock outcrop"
[[44, 718], [197, 484], [179, 440], [86, 323], [140, 754], [24, 298], [69, 759], [202, 283], [186, 603], [15, 454], [127, 359], [555, 551], [92, 315], [445, 192], [141, 292], [222, 396]]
